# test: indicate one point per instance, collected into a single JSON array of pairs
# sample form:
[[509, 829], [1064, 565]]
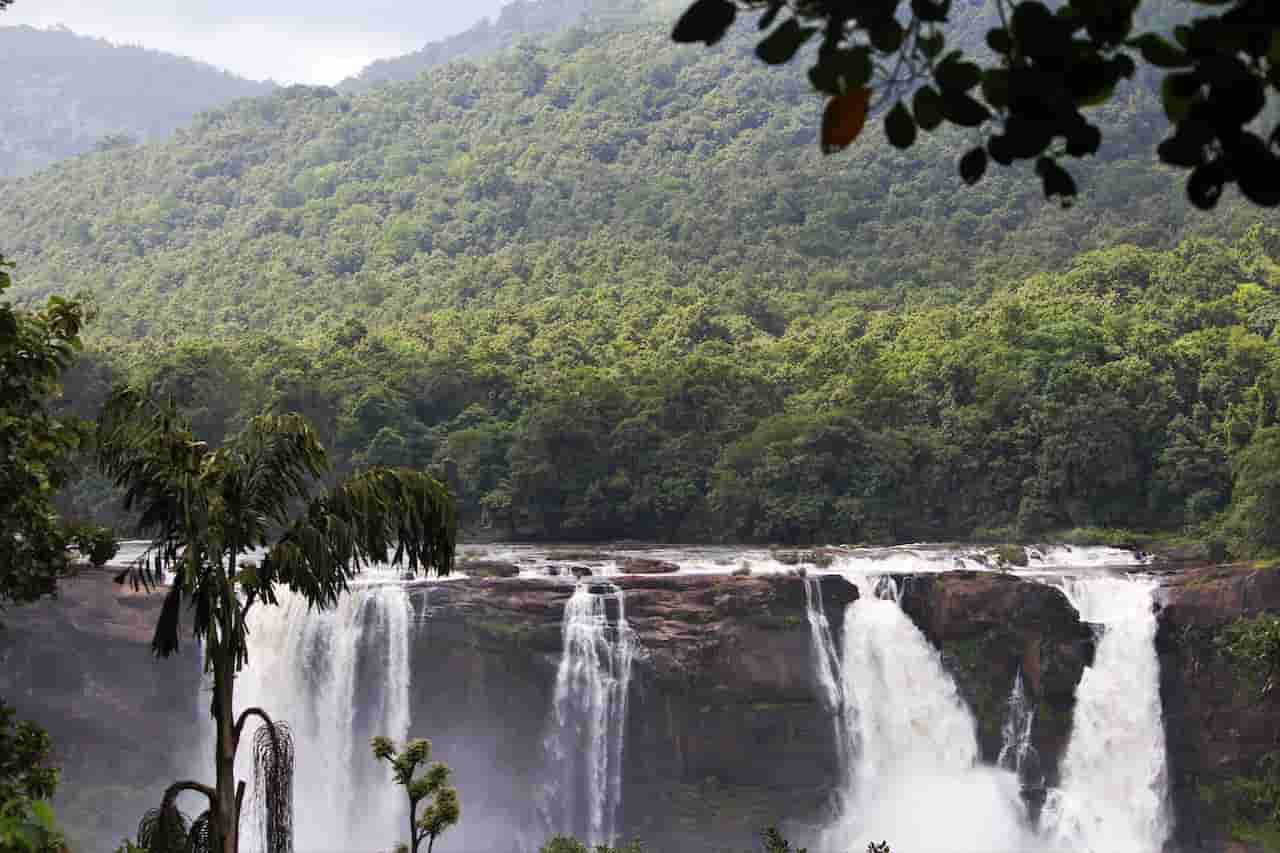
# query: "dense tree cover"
[[66, 95], [1134, 388], [27, 781], [1041, 67], [206, 511], [518, 20], [557, 167], [37, 450]]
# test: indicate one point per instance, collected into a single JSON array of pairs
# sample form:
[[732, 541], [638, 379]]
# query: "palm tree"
[[207, 513]]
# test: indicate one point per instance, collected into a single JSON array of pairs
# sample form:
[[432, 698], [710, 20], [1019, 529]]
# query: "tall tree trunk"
[[228, 809]]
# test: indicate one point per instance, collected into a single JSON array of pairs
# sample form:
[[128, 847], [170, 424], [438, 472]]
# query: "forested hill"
[[607, 287], [518, 20], [597, 157], [65, 94]]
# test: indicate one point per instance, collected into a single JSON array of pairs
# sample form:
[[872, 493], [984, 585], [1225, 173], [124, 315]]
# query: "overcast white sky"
[[290, 41]]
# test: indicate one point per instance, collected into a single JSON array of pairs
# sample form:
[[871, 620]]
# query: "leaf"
[[844, 118], [963, 110], [1159, 52], [705, 21], [1057, 183], [781, 44], [973, 165], [900, 127], [927, 106]]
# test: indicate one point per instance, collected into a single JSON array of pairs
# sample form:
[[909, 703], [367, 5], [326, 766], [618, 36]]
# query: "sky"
[[289, 41]]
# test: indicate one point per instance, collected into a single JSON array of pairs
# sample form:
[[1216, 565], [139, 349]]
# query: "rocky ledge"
[[1219, 723], [990, 627]]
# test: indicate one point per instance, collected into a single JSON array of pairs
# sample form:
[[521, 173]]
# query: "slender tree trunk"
[[414, 840], [228, 811]]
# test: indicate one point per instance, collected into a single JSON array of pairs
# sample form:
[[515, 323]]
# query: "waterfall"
[[584, 744], [1016, 750], [914, 777], [1113, 797], [337, 677], [826, 660]]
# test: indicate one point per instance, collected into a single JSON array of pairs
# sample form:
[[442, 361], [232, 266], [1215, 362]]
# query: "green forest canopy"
[[1040, 68], [606, 286]]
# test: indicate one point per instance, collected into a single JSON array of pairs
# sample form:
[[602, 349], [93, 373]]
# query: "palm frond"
[[164, 641], [203, 838], [163, 830], [382, 515], [273, 785], [148, 450]]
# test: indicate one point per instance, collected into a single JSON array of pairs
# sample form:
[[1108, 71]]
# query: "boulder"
[[646, 566], [991, 626], [489, 569]]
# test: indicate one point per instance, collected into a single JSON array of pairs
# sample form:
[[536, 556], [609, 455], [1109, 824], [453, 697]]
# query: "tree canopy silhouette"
[[1027, 93]]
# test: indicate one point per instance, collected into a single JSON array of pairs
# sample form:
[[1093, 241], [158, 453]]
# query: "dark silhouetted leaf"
[[900, 127], [781, 44], [705, 21], [927, 106], [973, 166]]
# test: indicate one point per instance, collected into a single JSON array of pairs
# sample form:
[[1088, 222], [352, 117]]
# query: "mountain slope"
[[65, 94], [604, 156], [519, 19]]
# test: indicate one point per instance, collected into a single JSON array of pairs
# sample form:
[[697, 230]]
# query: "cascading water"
[[914, 775], [337, 677], [1113, 797], [826, 660], [584, 744], [1016, 750]]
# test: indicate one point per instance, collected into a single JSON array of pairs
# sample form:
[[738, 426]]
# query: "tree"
[[1254, 521], [232, 525], [27, 781], [443, 810], [36, 448], [1046, 67]]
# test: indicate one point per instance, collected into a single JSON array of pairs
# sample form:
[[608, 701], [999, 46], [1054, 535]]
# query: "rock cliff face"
[[989, 627], [726, 734], [1217, 724], [121, 721]]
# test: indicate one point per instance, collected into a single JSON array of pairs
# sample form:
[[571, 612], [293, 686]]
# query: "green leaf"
[[900, 126]]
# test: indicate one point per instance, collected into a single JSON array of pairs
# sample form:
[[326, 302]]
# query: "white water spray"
[[589, 716], [306, 668], [914, 776], [1016, 750], [1113, 797]]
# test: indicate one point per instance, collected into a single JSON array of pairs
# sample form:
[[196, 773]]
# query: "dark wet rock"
[[646, 566], [489, 569], [991, 626]]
